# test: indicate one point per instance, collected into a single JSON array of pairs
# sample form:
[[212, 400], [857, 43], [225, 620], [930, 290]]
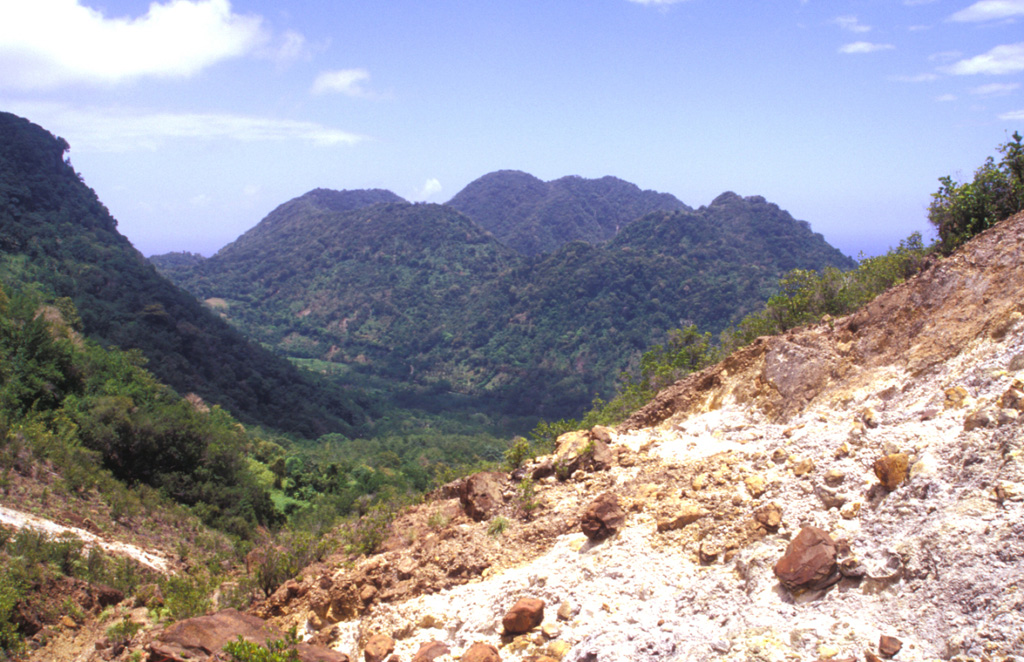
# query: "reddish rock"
[[524, 616], [480, 494], [202, 637], [891, 470], [603, 517], [481, 652], [769, 516], [430, 650], [889, 646], [809, 561], [378, 648]]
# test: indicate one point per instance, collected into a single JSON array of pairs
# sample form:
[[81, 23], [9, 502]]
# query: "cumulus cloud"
[[989, 10], [851, 24], [1005, 59], [916, 78], [995, 89], [120, 130], [342, 81], [430, 188], [859, 47], [51, 43]]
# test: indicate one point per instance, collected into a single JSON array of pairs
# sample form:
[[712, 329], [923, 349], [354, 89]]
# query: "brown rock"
[[430, 650], [889, 646], [1013, 398], [480, 494], [892, 470], [525, 615], [977, 419], [871, 657], [602, 433], [564, 611], [802, 467], [809, 561], [755, 485], [202, 637], [581, 450], [685, 514], [834, 477], [603, 517], [481, 652], [769, 516], [956, 396], [829, 497], [378, 648]]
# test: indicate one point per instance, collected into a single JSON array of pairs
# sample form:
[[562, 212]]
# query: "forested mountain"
[[535, 217], [420, 293], [55, 234]]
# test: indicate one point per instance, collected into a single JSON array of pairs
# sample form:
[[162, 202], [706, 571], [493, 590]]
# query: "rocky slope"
[[893, 435]]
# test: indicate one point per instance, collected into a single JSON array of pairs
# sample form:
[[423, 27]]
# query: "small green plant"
[[121, 633], [518, 452], [497, 526], [276, 650], [438, 520], [526, 491], [186, 596]]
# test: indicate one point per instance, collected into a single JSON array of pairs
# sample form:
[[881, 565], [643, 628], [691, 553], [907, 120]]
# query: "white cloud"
[[1013, 116], [657, 2], [122, 130], [430, 188], [851, 24], [342, 81], [859, 47], [51, 43], [1006, 59], [946, 97], [995, 89], [989, 10], [945, 56]]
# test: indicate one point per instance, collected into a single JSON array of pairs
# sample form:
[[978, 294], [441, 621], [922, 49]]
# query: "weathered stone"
[[558, 649], [201, 637], [889, 646], [977, 419], [809, 561], [755, 485], [891, 470], [1007, 416], [525, 615], [581, 451], [780, 455], [956, 397], [603, 517], [480, 494], [834, 477], [430, 650], [602, 433], [870, 417], [829, 497], [481, 652], [685, 514], [564, 611], [850, 510], [802, 467], [709, 550], [769, 516], [378, 648]]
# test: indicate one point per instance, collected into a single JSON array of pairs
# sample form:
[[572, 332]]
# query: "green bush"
[[960, 211], [276, 650]]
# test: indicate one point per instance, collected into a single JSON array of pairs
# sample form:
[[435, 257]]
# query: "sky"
[[193, 119]]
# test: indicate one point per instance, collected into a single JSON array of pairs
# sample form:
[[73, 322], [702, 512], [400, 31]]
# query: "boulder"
[[769, 516], [430, 650], [891, 470], [481, 494], [603, 517], [525, 615], [378, 648], [889, 646], [809, 561], [581, 450], [481, 652], [203, 637]]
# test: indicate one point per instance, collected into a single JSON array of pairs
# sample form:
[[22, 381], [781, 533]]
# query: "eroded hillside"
[[894, 431]]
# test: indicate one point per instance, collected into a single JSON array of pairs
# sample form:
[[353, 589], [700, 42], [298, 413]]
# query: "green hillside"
[[536, 217], [56, 235], [421, 295]]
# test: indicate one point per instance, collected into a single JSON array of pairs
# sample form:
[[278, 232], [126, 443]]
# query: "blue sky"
[[192, 119]]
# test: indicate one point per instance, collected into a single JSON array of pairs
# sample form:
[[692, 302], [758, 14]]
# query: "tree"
[[960, 211]]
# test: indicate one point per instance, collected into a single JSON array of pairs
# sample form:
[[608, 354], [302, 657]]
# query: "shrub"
[[497, 526], [276, 650], [960, 211]]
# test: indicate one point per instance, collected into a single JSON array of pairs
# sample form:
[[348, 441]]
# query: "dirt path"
[[21, 520]]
